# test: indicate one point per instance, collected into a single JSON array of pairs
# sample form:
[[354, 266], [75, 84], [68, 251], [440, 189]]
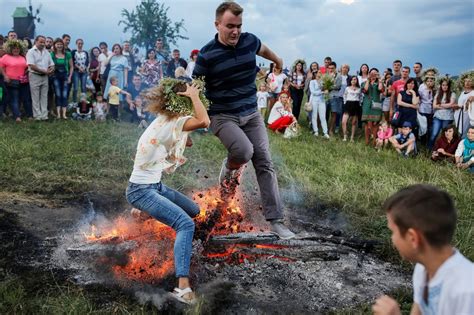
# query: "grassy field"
[[63, 160]]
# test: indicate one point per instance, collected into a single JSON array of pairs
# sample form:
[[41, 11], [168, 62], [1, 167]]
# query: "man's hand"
[[385, 305]]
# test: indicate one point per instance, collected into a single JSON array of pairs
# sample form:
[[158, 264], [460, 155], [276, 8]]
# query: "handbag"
[[395, 119], [292, 131], [375, 105], [308, 106], [422, 124]]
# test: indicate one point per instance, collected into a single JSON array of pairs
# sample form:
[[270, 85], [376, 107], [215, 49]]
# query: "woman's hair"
[[311, 65], [179, 72], [386, 75], [410, 80], [117, 45], [357, 81], [440, 93], [360, 69], [194, 52], [10, 44], [58, 40], [455, 131], [156, 99], [92, 53], [149, 51]]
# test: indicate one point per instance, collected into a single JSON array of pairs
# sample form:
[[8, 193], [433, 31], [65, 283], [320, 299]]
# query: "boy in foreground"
[[422, 219]]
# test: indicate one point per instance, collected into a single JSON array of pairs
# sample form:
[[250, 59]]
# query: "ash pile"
[[319, 271]]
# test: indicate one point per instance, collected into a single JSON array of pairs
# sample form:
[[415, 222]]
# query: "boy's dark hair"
[[333, 63], [424, 208], [407, 68], [232, 6], [65, 35], [419, 63], [397, 61], [328, 58]]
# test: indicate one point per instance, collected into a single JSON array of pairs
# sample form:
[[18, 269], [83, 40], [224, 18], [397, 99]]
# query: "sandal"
[[179, 294]]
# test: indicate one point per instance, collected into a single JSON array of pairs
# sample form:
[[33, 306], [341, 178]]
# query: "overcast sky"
[[436, 32]]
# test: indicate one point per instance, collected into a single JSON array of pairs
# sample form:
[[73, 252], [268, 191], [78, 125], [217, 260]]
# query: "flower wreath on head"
[[174, 103], [465, 75], [10, 44], [297, 61]]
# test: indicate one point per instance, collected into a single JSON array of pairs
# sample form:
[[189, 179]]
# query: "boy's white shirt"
[[450, 291], [160, 148]]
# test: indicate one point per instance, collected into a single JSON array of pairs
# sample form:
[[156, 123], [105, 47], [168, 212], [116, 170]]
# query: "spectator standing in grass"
[[40, 66], [275, 83], [422, 219], [325, 66], [118, 69], [105, 54], [387, 93], [464, 115], [397, 87], [151, 69], [192, 62], [371, 115], [66, 40], [80, 58], [318, 104], [426, 92], [297, 80], [417, 70], [262, 99], [397, 71], [444, 105], [63, 72], [94, 69], [174, 63], [335, 100], [352, 98], [446, 144], [13, 68], [408, 102], [113, 97]]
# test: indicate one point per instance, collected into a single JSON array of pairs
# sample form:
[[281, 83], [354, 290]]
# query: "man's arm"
[[267, 53]]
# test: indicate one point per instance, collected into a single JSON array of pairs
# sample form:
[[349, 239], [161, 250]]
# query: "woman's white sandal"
[[179, 294]]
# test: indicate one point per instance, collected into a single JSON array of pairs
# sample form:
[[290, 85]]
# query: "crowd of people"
[[393, 108]]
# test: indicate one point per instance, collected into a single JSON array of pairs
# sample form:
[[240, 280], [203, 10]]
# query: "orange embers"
[[239, 253], [150, 260]]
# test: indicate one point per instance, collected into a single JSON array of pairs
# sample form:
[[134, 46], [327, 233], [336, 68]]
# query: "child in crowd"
[[465, 152], [160, 149], [139, 111], [262, 99], [83, 110], [422, 219], [352, 97], [114, 99], [383, 135], [281, 116], [100, 107], [404, 142]]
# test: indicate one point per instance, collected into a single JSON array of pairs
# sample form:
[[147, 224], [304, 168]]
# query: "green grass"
[[63, 160]]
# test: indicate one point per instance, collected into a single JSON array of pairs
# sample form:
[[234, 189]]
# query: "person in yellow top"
[[114, 99]]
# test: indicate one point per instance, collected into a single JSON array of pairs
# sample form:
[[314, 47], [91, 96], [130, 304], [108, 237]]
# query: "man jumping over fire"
[[228, 65]]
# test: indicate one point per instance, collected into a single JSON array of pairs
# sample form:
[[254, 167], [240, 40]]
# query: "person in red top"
[[446, 145], [327, 61], [397, 87]]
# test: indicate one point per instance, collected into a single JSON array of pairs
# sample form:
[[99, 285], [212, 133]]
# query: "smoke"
[[156, 296]]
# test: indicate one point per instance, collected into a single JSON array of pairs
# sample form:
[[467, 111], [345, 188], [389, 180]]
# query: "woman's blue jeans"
[[17, 94], [173, 209], [76, 78], [60, 88], [438, 124]]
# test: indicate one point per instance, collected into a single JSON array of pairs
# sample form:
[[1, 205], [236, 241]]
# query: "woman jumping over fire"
[[179, 109]]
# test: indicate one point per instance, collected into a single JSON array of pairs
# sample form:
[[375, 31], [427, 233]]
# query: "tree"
[[150, 21]]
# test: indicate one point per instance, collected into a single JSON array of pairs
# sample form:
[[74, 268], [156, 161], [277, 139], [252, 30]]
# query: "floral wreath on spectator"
[[297, 61], [464, 76], [10, 44]]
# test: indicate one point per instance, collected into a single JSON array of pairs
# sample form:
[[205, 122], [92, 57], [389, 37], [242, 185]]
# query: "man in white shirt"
[[105, 54], [422, 219], [40, 65]]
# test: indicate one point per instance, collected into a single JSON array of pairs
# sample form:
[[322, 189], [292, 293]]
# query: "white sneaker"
[[278, 228], [230, 179], [326, 136], [316, 134], [344, 139]]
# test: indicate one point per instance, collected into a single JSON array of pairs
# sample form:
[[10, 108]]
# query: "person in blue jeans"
[[63, 71], [444, 105], [160, 149], [80, 59]]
